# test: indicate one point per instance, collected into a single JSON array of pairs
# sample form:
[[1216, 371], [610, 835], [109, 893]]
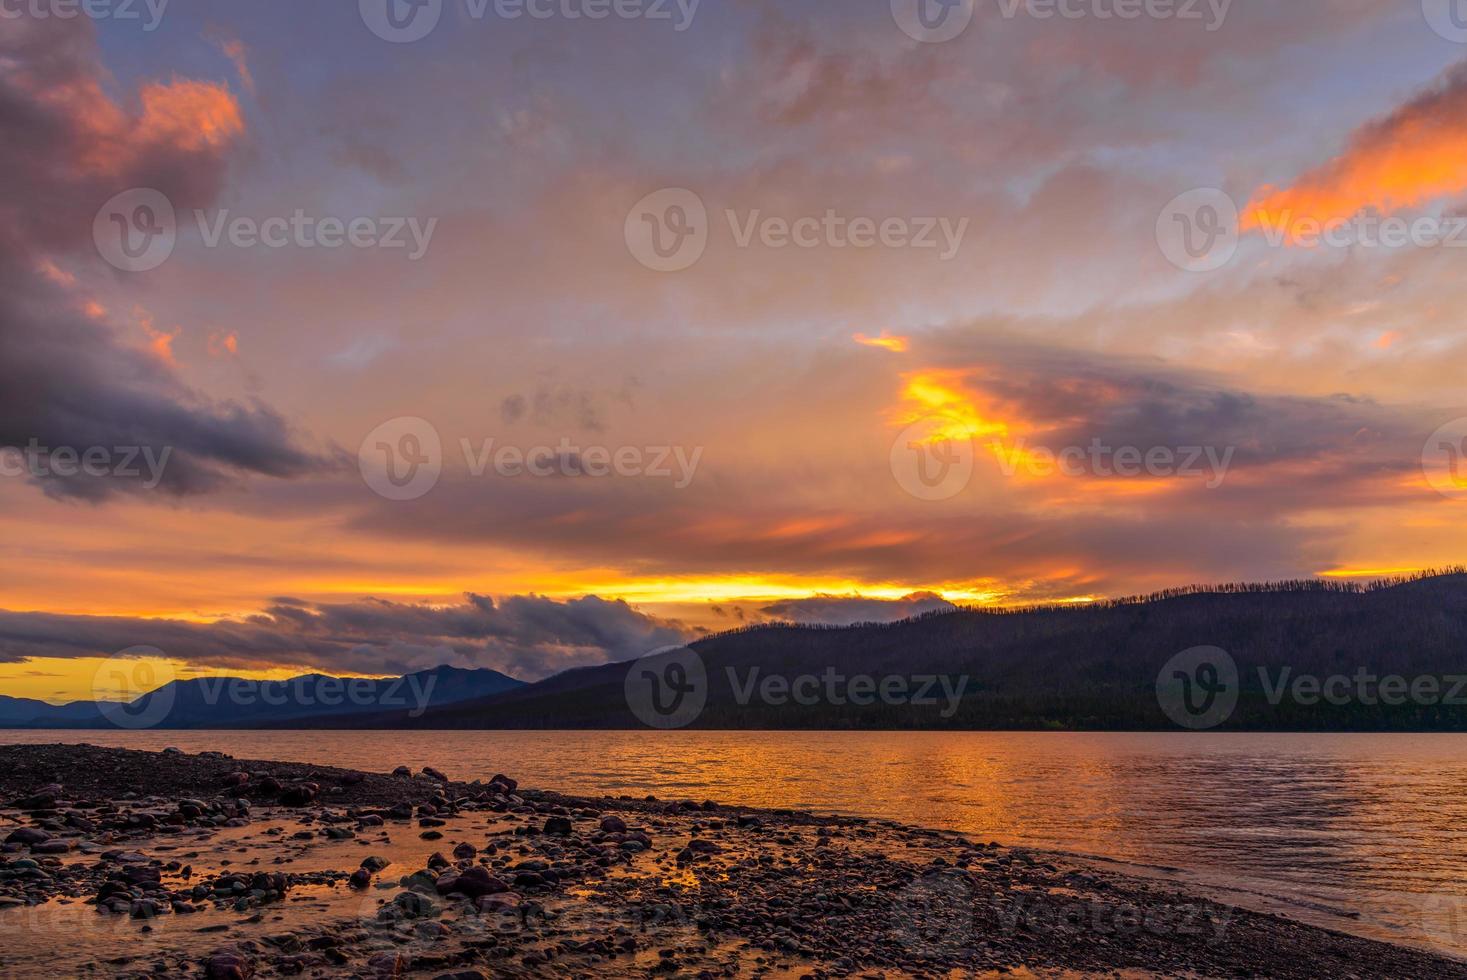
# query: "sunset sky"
[[796, 377]]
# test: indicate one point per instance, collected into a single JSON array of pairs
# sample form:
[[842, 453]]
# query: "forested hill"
[[1074, 667]]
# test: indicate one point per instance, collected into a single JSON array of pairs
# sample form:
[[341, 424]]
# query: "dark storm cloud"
[[69, 382], [529, 637]]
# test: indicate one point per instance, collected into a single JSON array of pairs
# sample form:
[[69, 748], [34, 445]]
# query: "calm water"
[[1363, 833]]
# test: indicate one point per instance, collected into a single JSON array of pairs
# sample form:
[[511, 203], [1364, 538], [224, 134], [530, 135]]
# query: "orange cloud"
[[1416, 154], [189, 115], [160, 342], [221, 344], [234, 49], [897, 345]]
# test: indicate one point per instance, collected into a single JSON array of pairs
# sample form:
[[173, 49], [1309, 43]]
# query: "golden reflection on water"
[[1333, 825]]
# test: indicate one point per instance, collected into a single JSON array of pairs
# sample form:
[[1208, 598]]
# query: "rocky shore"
[[118, 863]]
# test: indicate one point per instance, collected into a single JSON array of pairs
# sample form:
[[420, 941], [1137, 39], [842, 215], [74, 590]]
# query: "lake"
[[1362, 833]]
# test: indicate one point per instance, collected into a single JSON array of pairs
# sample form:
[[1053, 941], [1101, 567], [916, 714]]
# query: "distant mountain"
[[232, 702], [1092, 667], [15, 712]]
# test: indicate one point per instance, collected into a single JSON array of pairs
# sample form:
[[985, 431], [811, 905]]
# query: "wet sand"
[[131, 864]]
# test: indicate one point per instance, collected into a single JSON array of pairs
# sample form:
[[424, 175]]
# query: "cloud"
[[528, 637], [1414, 155], [834, 610], [71, 380]]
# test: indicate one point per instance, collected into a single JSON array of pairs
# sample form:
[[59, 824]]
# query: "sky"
[[511, 335]]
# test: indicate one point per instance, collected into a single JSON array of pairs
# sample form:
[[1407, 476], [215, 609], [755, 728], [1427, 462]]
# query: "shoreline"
[[503, 879]]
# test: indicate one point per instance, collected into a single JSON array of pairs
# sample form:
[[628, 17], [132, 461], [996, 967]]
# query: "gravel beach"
[[119, 863]]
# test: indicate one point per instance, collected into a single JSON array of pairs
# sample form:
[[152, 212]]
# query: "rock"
[[29, 836], [613, 825], [559, 826], [236, 779], [420, 881], [463, 852], [299, 794], [402, 771], [360, 878], [505, 781], [432, 773], [229, 964], [375, 863], [44, 800], [414, 905], [497, 902], [388, 964], [478, 882]]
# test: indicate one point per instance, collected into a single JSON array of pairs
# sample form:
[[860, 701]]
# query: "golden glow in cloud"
[[887, 341], [942, 395]]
